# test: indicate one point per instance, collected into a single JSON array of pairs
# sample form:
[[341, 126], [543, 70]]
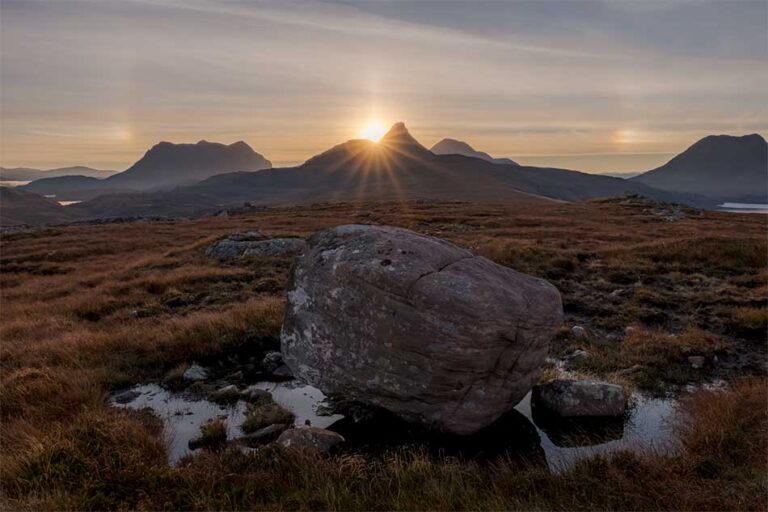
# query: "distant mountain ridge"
[[458, 147], [165, 165], [397, 168], [718, 166], [28, 174]]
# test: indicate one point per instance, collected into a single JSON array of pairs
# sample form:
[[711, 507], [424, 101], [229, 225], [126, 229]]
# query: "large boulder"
[[579, 398], [416, 325]]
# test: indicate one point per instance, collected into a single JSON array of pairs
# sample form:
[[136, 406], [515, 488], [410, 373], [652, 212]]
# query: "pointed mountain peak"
[[399, 135]]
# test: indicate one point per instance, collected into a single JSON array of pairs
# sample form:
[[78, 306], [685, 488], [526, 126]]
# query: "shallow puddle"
[[183, 413], [524, 432], [648, 425]]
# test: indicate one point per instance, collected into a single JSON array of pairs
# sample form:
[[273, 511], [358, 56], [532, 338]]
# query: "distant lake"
[[744, 207], [8, 183], [67, 203]]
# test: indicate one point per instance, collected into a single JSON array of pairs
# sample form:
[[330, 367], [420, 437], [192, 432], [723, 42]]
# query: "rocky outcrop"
[[416, 325], [578, 398], [239, 247], [276, 247], [310, 438]]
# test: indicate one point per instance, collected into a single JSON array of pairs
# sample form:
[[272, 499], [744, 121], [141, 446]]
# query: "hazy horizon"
[[594, 86]]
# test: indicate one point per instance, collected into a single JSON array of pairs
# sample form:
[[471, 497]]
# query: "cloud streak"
[[293, 78]]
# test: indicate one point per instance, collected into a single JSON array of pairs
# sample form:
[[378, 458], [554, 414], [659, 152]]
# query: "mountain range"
[[396, 168], [457, 147], [27, 174], [164, 166]]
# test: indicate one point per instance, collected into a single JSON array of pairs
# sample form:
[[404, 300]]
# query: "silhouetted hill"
[[71, 188], [21, 207], [164, 166], [27, 174], [174, 203], [719, 166], [169, 165], [457, 147], [395, 168]]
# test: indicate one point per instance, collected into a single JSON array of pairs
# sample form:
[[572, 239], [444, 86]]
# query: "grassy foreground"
[[89, 309]]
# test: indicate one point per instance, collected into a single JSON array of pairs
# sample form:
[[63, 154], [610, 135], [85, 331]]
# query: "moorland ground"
[[88, 309]]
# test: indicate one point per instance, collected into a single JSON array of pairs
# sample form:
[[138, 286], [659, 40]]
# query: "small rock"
[[574, 398], [238, 375], [629, 371], [310, 438], [275, 247], [579, 354], [195, 372], [126, 397], [579, 332], [199, 387], [246, 236], [629, 329], [142, 313], [325, 409], [697, 361], [263, 435], [231, 249], [257, 396], [272, 361], [283, 371], [225, 394]]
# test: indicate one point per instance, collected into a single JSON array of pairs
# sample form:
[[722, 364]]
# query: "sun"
[[374, 131]]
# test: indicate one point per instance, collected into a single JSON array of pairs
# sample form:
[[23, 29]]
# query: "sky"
[[600, 86]]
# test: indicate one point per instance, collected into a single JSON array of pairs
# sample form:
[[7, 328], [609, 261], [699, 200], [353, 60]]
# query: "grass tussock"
[[260, 415], [658, 358], [730, 254], [751, 323], [213, 435]]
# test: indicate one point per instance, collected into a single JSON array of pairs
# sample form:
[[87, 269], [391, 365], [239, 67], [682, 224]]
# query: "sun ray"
[[373, 130]]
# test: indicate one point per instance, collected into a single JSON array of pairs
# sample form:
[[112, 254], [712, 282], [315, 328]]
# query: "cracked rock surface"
[[416, 325]]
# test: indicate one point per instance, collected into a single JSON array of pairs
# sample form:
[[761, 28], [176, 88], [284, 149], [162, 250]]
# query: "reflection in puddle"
[[522, 432], [648, 425], [183, 413]]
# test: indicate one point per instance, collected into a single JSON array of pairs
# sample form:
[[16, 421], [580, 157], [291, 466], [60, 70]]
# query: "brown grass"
[[88, 309], [115, 461]]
